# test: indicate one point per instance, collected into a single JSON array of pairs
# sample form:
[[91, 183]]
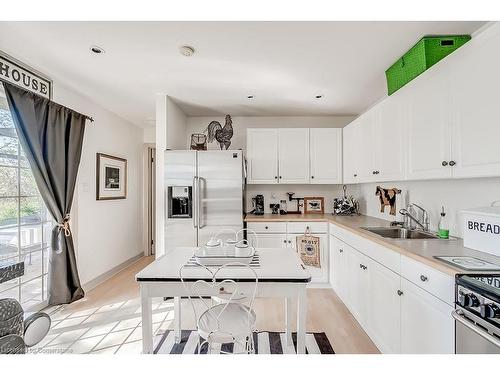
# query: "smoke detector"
[[186, 50]]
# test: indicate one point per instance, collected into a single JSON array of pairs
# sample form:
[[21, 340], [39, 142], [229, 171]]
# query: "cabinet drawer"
[[301, 226], [429, 279], [268, 227]]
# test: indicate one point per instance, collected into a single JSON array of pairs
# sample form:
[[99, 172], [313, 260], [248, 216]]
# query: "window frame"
[[43, 249]]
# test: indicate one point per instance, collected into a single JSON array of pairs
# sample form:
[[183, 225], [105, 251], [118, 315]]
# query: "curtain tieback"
[[64, 225]]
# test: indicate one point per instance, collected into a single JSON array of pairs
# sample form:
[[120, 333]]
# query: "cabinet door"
[[389, 152], [338, 268], [326, 156], [318, 274], [426, 323], [384, 316], [262, 156], [350, 156], [358, 285], [293, 156], [364, 135], [429, 130], [476, 131], [272, 240]]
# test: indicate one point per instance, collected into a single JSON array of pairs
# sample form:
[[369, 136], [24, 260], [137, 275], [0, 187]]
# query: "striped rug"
[[265, 343]]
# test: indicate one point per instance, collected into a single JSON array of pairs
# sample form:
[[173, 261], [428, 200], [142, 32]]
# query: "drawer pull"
[[341, 250], [266, 227], [363, 267], [400, 292], [284, 241], [424, 278]]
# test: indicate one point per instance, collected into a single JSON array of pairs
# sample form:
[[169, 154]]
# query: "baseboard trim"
[[109, 274]]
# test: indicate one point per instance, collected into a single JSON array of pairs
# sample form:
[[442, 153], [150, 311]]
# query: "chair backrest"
[[217, 284]]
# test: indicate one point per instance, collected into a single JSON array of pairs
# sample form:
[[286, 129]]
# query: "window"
[[25, 224]]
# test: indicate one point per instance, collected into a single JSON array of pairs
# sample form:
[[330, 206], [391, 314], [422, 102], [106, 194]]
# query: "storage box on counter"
[[481, 229]]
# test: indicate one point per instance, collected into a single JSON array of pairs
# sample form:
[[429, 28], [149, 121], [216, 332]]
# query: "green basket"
[[427, 52]]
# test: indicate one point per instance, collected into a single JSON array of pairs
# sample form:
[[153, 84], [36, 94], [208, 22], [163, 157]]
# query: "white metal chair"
[[229, 318]]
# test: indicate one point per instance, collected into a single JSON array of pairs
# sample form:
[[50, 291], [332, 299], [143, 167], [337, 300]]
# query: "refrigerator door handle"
[[198, 202], [195, 202]]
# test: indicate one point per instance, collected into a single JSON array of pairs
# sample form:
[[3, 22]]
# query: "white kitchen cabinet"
[[429, 126], [326, 155], [351, 157], [358, 278], [364, 137], [426, 323], [474, 93], [318, 274], [384, 315], [272, 240], [389, 151], [262, 156], [293, 160]]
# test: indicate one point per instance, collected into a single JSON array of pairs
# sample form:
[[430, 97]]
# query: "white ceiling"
[[284, 64]]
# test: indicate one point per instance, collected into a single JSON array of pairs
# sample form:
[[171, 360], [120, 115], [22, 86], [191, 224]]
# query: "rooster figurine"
[[221, 134]]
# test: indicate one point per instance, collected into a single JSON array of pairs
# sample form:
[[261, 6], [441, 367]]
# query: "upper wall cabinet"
[[294, 156], [262, 156], [326, 155], [475, 116], [428, 127], [443, 124], [293, 151], [374, 145]]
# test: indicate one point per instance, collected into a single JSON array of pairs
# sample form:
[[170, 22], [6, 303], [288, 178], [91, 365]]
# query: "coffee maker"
[[258, 204]]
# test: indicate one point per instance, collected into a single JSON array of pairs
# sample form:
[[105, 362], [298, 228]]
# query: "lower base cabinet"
[[384, 321], [426, 323], [397, 315]]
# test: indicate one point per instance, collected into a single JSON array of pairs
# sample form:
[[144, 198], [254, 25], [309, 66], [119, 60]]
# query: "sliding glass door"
[[25, 224]]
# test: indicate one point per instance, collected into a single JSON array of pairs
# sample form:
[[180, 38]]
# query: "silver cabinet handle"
[[400, 292], [458, 315], [444, 163], [341, 250], [452, 163], [424, 278]]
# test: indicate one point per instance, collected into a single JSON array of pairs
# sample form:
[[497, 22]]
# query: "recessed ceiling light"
[[97, 50], [250, 97], [186, 50], [318, 96]]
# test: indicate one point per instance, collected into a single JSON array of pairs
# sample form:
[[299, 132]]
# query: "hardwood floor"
[[107, 320]]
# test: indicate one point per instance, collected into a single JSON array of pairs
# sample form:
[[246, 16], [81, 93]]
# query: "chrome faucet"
[[423, 223]]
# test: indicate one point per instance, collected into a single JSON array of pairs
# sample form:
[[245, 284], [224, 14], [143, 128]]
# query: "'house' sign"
[[12, 71]]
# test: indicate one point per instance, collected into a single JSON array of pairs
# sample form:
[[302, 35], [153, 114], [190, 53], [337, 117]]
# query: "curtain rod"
[[43, 97]]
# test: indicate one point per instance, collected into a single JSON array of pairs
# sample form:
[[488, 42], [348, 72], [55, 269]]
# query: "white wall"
[[149, 135], [242, 123], [455, 195], [107, 233], [240, 126], [170, 133]]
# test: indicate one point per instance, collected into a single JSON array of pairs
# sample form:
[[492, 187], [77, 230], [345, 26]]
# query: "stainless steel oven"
[[477, 314]]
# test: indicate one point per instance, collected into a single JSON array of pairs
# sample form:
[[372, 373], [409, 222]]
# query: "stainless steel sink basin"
[[401, 233]]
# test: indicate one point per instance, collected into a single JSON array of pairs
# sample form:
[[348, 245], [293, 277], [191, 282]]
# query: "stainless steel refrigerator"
[[204, 195]]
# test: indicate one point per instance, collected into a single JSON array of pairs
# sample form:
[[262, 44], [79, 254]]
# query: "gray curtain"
[[51, 136]]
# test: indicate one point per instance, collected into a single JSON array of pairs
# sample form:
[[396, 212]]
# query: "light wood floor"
[[326, 313]]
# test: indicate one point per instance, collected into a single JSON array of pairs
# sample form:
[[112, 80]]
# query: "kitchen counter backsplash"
[[455, 195], [329, 192]]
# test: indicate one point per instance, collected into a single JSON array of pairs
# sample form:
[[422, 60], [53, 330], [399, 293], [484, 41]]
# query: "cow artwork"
[[387, 198]]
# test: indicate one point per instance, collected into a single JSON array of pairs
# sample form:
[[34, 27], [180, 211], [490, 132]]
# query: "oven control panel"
[[482, 306]]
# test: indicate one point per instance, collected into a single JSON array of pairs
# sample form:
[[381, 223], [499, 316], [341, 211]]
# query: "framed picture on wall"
[[111, 177], [314, 205]]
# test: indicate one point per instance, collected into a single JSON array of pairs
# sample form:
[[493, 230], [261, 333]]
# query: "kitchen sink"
[[402, 233]]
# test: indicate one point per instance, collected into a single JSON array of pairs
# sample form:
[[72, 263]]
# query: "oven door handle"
[[458, 315]]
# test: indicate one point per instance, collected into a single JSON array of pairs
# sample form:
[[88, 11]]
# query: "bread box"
[[481, 229]]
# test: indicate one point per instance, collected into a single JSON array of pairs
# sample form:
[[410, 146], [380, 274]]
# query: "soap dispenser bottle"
[[443, 226]]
